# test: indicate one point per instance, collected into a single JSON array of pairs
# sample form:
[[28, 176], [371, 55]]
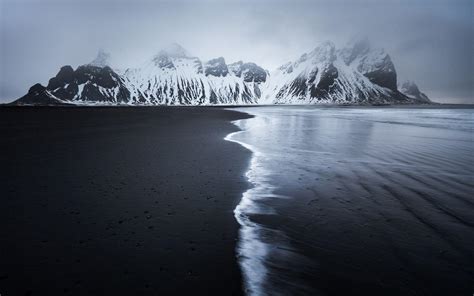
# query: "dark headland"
[[119, 201]]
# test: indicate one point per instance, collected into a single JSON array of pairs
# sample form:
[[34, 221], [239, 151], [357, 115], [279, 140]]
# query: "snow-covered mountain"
[[355, 74], [173, 77], [410, 89]]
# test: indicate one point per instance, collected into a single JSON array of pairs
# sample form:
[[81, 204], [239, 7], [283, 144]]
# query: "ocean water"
[[357, 200]]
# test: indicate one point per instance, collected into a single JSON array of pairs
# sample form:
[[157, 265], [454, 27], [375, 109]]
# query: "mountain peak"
[[174, 50], [355, 48], [410, 89], [102, 59], [216, 67], [325, 51]]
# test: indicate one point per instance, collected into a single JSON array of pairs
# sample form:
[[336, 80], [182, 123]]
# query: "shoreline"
[[251, 252], [260, 247]]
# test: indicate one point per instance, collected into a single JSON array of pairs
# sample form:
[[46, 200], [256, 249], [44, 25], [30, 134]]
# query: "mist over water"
[[359, 196]]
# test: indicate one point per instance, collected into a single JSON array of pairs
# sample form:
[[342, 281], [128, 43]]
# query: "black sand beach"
[[140, 201], [119, 201]]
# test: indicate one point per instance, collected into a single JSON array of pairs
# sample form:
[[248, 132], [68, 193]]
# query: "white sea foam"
[[252, 251]]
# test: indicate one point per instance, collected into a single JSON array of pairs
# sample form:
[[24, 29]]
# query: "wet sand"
[[359, 201], [119, 201]]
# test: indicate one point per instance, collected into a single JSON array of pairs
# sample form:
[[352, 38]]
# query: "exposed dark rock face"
[[38, 95], [328, 76], [236, 68], [251, 71], [381, 72], [97, 84], [216, 67], [86, 83], [65, 75], [374, 64], [254, 73], [163, 61], [103, 77]]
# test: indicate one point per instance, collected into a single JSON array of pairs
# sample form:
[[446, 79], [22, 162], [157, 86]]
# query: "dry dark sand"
[[119, 201]]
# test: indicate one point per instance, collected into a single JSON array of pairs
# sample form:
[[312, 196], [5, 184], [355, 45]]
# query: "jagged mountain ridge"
[[355, 74], [411, 90], [180, 79]]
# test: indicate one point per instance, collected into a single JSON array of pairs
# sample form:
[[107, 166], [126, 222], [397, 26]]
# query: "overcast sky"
[[430, 41]]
